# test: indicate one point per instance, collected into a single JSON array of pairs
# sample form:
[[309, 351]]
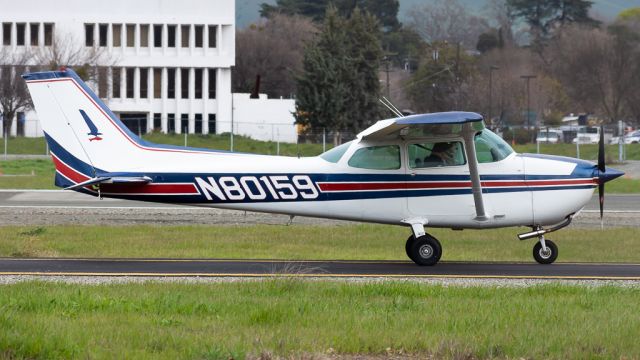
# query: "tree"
[[546, 16], [274, 50], [447, 20], [67, 51], [314, 9], [339, 88], [385, 10], [599, 67], [14, 96], [438, 82]]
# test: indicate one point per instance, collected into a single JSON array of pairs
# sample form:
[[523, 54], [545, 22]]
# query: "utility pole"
[[493, 67], [527, 78]]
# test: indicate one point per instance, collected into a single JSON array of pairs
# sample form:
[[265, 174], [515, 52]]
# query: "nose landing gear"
[[545, 251]]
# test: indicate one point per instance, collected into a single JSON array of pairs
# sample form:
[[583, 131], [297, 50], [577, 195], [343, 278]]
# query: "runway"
[[339, 269]]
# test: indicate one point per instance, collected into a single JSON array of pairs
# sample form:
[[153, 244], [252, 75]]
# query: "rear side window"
[[377, 158]]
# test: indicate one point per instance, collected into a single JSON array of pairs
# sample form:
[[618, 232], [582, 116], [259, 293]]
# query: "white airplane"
[[440, 170]]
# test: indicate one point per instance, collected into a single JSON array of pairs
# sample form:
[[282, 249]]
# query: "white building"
[[169, 61]]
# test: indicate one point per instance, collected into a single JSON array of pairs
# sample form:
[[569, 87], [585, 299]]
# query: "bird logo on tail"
[[93, 129]]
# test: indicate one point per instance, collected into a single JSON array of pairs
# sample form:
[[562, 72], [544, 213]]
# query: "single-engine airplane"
[[439, 170]]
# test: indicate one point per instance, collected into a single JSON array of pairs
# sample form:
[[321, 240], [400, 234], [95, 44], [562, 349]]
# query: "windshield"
[[490, 147], [334, 155]]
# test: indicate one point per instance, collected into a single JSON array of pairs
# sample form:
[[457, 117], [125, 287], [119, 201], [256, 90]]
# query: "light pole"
[[527, 78], [491, 68]]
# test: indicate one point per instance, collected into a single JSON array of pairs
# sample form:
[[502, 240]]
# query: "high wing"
[[465, 124], [443, 123]]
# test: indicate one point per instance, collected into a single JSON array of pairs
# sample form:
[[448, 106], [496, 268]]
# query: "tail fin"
[[82, 133]]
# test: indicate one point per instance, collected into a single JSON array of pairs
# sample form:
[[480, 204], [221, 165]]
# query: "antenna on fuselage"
[[389, 105]]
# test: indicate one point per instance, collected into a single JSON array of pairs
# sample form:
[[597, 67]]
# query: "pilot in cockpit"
[[442, 153]]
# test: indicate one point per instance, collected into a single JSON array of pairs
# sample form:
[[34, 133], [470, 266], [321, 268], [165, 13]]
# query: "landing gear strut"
[[545, 251]]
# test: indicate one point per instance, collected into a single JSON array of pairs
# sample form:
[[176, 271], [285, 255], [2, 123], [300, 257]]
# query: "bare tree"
[[274, 50], [14, 97], [67, 51], [447, 20], [599, 67]]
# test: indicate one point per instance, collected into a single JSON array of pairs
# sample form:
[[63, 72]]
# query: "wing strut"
[[469, 134]]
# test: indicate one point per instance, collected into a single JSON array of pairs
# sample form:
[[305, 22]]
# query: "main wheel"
[[407, 246], [425, 250], [547, 257]]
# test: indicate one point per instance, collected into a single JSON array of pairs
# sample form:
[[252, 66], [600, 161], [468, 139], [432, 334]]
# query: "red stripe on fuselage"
[[413, 185], [150, 189]]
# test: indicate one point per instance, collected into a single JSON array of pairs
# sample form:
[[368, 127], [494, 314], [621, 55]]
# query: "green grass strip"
[[349, 242], [293, 318]]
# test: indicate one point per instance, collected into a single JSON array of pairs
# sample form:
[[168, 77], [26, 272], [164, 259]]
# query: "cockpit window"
[[433, 154], [490, 147], [386, 157], [334, 155]]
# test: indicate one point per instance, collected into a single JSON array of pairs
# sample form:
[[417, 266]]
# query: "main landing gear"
[[424, 250]]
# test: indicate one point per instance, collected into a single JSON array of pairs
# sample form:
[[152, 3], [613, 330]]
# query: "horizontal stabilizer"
[[106, 179]]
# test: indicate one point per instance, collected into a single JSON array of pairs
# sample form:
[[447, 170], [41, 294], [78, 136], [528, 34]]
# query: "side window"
[[434, 154], [376, 158]]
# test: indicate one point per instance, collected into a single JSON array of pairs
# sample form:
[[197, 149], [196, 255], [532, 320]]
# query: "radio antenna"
[[390, 107]]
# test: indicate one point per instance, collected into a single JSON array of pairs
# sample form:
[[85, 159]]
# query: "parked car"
[[591, 135], [630, 138], [549, 136]]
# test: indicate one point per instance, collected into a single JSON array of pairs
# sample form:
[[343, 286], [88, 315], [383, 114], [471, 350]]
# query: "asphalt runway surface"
[[279, 268]]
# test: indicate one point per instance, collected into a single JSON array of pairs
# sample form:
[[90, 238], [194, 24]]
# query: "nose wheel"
[[545, 251]]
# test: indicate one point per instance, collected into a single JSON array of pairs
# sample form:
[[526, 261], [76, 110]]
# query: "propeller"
[[602, 169]]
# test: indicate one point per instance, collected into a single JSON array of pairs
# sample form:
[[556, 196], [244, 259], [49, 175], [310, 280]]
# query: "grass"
[[292, 318], [349, 242], [587, 152], [33, 174]]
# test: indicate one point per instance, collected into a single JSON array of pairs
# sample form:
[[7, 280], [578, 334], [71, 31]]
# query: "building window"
[[102, 34], [131, 35], [184, 83], [184, 123], [88, 34], [48, 34], [157, 83], [212, 123], [157, 121], [144, 83], [130, 74], [157, 36], [144, 35], [212, 84], [199, 30], [117, 35], [34, 29], [198, 124], [171, 36], [103, 82], [171, 83], [184, 35], [6, 34], [20, 29], [212, 35], [198, 83], [115, 81], [171, 123]]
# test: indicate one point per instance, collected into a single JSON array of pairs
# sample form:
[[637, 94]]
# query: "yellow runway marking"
[[271, 261], [426, 276]]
